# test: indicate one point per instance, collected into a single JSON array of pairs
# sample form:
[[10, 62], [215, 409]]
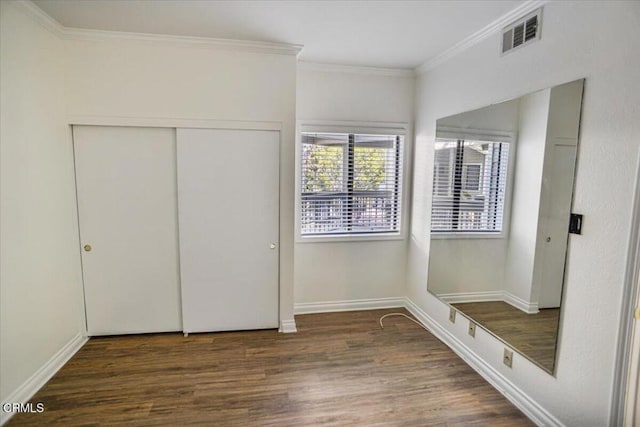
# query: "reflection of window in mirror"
[[471, 173], [469, 186]]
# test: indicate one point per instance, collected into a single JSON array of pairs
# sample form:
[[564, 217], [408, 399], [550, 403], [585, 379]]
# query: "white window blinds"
[[469, 182], [351, 184]]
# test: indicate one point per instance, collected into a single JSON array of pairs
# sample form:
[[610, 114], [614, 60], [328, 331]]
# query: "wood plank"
[[339, 369]]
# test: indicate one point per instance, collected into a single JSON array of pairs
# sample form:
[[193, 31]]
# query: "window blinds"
[[350, 183], [469, 182]]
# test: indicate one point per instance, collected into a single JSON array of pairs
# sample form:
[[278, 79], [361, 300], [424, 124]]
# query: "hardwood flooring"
[[533, 335], [340, 369]]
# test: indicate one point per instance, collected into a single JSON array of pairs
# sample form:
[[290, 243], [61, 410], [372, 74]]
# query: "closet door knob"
[[272, 246], [87, 248]]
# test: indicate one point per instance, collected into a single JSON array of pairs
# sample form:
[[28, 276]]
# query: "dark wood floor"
[[533, 335], [340, 369]]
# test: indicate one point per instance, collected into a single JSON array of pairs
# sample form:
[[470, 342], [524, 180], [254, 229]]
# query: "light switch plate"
[[507, 358], [472, 329], [452, 315]]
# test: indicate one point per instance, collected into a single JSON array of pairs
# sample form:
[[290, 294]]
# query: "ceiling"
[[393, 34]]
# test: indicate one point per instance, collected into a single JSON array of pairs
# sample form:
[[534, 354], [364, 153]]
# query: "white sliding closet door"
[[228, 208], [127, 207]]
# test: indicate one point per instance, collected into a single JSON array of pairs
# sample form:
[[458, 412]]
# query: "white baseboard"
[[463, 297], [515, 395], [348, 305], [26, 391], [484, 296], [521, 304], [288, 326]]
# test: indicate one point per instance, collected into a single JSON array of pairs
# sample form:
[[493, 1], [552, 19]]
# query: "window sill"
[[464, 235], [342, 238]]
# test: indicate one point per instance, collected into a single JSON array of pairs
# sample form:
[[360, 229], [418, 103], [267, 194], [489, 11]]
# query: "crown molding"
[[478, 36], [244, 45], [41, 17], [354, 69], [69, 33]]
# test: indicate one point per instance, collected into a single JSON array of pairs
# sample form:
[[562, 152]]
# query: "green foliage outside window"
[[324, 168]]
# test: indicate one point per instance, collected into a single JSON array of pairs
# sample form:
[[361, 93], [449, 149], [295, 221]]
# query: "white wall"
[[498, 118], [119, 79], [40, 281], [338, 271], [596, 40], [463, 266], [527, 183]]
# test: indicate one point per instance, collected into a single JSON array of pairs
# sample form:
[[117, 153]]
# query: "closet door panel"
[[127, 206], [228, 209]]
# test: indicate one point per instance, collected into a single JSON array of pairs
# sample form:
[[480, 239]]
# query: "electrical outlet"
[[507, 358], [472, 329], [452, 315]]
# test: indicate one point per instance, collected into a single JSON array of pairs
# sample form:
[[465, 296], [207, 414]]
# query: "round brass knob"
[[87, 248]]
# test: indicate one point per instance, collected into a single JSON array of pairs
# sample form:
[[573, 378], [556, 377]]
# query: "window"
[[469, 186], [350, 184], [471, 177]]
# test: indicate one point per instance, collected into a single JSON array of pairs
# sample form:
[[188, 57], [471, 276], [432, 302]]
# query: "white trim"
[[444, 235], [354, 69], [629, 297], [335, 238], [352, 126], [288, 326], [463, 297], [475, 38], [348, 305], [515, 395], [69, 33], [172, 122], [485, 296], [454, 133], [520, 304], [39, 378], [38, 15], [209, 42]]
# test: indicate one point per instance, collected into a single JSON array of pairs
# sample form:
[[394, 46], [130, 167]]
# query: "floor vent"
[[522, 32]]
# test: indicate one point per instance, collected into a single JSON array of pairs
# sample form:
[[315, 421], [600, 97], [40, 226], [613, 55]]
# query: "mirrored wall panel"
[[502, 190]]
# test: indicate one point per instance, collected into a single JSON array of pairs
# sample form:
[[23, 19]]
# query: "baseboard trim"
[[348, 305], [521, 304], [36, 381], [463, 297], [288, 326], [515, 395], [484, 296]]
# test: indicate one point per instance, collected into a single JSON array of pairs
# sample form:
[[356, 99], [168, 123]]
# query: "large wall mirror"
[[502, 190]]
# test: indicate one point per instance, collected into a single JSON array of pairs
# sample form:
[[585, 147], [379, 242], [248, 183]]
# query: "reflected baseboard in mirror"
[[503, 181]]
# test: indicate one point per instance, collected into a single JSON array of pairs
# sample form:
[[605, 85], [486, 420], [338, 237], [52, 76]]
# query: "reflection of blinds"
[[469, 181], [350, 183]]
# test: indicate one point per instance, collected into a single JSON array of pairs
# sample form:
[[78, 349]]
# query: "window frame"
[[488, 136], [371, 128]]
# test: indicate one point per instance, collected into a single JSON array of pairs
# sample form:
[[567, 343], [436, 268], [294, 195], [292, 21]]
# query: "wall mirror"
[[502, 190]]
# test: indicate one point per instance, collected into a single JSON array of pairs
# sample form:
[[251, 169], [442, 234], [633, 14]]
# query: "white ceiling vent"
[[522, 32]]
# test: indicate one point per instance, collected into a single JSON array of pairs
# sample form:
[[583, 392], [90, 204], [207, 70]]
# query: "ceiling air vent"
[[522, 32]]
